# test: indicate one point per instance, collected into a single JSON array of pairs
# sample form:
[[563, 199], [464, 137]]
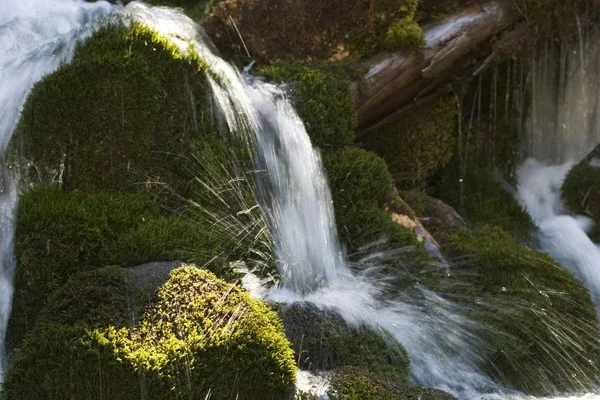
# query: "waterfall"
[[564, 120], [296, 200], [295, 195], [563, 127], [36, 37], [444, 349]]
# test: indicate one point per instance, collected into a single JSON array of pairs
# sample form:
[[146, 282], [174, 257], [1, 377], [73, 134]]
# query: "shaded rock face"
[[434, 214], [322, 340], [305, 30]]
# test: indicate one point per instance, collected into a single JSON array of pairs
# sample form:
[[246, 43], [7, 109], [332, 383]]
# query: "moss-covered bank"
[[416, 147], [538, 322], [198, 336], [354, 384]]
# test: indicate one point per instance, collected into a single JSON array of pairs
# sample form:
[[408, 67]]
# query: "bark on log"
[[458, 49]]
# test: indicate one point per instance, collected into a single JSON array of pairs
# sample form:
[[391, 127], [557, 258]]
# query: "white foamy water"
[[444, 351], [564, 237], [36, 37], [295, 195]]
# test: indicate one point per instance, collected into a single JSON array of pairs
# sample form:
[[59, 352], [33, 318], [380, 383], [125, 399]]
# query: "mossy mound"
[[418, 146], [363, 194], [322, 100], [61, 233], [360, 185], [323, 341], [199, 337], [581, 194], [122, 115], [538, 322], [302, 30], [354, 384]]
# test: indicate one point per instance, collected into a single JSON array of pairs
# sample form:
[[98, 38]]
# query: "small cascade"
[[36, 37], [563, 126], [296, 200], [295, 195], [564, 237]]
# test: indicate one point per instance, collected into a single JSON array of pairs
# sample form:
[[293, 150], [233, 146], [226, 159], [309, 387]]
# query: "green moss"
[[476, 195], [418, 146], [358, 177], [538, 322], [390, 25], [322, 100], [581, 194], [199, 336], [124, 113], [361, 185], [404, 34], [362, 189], [323, 341], [354, 384], [59, 234]]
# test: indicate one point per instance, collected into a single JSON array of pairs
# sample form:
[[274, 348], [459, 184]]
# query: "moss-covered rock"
[[365, 201], [477, 194], [199, 337], [581, 194], [355, 384], [322, 100], [416, 147], [302, 30], [122, 115], [538, 322], [61, 233], [361, 186], [323, 341]]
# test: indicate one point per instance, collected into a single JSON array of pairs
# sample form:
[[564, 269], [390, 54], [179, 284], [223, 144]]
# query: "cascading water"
[[564, 125], [444, 350], [35, 39], [297, 202]]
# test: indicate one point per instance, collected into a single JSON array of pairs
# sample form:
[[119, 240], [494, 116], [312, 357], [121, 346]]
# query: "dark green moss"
[[199, 336], [355, 384], [476, 194], [538, 322], [390, 25], [581, 194], [323, 341], [362, 191], [123, 114], [361, 185], [59, 234], [418, 146], [322, 100]]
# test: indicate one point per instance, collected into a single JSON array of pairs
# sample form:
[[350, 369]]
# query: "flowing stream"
[[297, 202], [444, 350]]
